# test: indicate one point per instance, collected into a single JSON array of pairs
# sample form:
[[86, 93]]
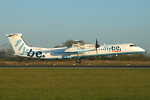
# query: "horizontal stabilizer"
[[10, 35]]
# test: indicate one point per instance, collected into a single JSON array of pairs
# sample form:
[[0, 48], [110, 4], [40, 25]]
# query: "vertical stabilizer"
[[18, 44]]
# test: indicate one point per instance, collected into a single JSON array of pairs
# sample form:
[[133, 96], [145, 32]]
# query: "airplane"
[[77, 50]]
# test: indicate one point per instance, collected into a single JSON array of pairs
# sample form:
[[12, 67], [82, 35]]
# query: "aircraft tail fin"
[[18, 44]]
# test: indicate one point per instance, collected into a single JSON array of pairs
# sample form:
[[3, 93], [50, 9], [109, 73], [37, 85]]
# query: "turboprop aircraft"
[[77, 50]]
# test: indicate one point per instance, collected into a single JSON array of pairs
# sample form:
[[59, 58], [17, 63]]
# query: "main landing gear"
[[79, 60]]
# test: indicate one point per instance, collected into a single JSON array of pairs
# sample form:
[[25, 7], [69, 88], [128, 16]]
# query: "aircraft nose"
[[141, 50]]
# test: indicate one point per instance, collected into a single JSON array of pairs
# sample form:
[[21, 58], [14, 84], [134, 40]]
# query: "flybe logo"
[[22, 47], [38, 54], [81, 48], [112, 49]]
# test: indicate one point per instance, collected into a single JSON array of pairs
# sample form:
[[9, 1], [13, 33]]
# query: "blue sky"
[[47, 23]]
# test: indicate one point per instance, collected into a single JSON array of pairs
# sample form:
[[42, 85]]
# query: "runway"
[[81, 67]]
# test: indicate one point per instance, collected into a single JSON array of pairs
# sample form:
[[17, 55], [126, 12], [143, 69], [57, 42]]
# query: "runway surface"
[[81, 67]]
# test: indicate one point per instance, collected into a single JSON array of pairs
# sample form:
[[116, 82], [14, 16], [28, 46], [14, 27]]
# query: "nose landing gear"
[[79, 60]]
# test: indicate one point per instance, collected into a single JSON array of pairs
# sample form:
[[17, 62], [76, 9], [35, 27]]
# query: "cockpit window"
[[77, 42], [132, 45]]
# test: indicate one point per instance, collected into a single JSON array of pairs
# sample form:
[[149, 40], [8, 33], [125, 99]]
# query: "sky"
[[47, 23]]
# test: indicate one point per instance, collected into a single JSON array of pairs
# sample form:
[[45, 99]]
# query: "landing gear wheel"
[[79, 60]]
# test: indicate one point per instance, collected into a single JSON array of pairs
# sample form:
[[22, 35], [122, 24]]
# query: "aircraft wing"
[[78, 49]]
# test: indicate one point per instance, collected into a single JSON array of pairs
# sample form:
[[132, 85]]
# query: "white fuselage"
[[85, 51]]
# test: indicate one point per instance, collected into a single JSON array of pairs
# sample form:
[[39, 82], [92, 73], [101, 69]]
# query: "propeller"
[[96, 45]]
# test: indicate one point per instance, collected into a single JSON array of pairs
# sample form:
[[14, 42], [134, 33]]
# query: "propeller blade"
[[96, 45]]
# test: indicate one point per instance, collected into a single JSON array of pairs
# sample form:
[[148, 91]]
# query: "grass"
[[74, 84]]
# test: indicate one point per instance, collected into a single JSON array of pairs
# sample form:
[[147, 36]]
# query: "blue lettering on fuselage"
[[80, 48], [38, 54], [30, 53], [112, 49]]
